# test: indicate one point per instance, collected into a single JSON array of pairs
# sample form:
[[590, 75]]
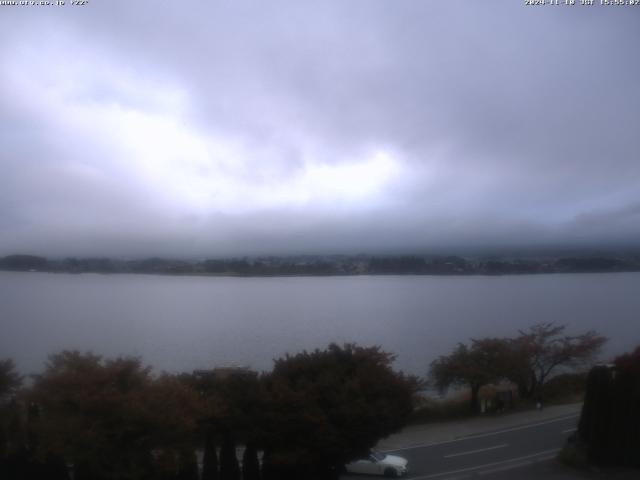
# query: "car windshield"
[[377, 456]]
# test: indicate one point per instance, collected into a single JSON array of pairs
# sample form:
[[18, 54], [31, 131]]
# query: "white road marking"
[[476, 451], [480, 435], [492, 464], [516, 465], [568, 430]]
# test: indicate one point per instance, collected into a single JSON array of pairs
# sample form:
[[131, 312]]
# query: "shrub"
[[567, 387]]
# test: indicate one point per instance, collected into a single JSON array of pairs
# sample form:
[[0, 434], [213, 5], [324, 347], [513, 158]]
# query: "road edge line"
[[479, 435], [492, 464], [470, 452]]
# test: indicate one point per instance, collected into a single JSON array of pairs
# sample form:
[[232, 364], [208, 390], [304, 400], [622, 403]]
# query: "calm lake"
[[181, 323]]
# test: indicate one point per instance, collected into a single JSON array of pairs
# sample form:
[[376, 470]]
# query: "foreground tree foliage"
[[544, 349], [107, 418], [233, 402], [11, 437], [482, 363], [327, 407], [210, 458], [528, 360], [10, 380], [112, 419], [250, 463], [229, 467]]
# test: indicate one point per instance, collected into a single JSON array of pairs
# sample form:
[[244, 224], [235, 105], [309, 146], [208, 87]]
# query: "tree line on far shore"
[[319, 265]]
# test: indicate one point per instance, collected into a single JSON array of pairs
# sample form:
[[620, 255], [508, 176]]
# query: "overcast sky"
[[202, 128]]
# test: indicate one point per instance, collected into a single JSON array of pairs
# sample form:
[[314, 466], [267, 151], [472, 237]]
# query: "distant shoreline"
[[327, 266], [329, 275]]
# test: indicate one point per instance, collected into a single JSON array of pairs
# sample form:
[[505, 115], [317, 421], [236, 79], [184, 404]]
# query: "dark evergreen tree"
[[595, 421], [17, 465], [53, 467], [210, 458], [627, 409], [166, 465], [610, 421], [187, 465], [250, 463], [229, 468]]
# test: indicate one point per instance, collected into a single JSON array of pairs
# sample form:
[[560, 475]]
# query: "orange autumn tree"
[[109, 417]]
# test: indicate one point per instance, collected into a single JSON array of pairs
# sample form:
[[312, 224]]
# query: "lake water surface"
[[181, 323]]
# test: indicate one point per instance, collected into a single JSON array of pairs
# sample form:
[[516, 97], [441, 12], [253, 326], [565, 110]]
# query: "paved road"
[[489, 454]]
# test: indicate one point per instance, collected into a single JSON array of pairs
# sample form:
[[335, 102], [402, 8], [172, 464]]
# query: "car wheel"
[[390, 473]]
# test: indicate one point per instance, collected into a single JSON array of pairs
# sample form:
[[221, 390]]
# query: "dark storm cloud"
[[233, 127]]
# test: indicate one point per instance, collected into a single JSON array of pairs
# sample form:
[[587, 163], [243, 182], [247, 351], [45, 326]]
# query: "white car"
[[379, 464]]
